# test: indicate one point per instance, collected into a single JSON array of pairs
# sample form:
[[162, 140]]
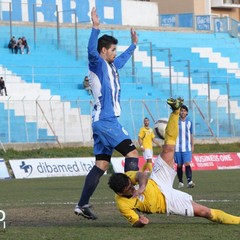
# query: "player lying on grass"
[[156, 193]]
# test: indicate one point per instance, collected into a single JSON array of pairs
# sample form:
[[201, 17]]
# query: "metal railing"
[[70, 121]]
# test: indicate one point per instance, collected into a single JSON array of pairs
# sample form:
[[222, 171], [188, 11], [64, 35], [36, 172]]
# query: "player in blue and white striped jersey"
[[184, 148], [108, 133]]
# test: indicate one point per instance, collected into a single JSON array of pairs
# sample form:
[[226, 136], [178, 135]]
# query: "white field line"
[[112, 202]]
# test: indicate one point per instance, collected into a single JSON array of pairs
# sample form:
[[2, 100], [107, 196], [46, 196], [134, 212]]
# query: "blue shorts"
[[107, 134], [182, 157]]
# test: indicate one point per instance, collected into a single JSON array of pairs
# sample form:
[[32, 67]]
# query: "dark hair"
[[106, 41], [184, 107], [118, 181]]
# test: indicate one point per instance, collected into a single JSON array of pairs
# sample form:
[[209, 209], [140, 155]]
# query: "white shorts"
[[148, 154], [177, 202]]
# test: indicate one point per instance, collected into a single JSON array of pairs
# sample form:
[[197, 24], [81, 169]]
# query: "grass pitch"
[[43, 209]]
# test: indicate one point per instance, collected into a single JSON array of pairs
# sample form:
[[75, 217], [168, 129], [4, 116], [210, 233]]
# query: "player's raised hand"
[[95, 19], [134, 36]]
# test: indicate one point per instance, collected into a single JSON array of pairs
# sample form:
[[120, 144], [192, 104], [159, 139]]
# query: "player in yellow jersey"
[[145, 139], [156, 193]]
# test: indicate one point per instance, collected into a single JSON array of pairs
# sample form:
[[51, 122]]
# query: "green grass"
[[88, 151], [43, 209]]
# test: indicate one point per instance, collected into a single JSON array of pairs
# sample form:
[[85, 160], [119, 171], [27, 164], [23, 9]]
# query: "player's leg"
[[90, 184], [148, 154], [178, 161], [129, 151], [102, 151], [214, 215], [171, 131], [180, 176], [144, 167], [186, 159], [149, 165]]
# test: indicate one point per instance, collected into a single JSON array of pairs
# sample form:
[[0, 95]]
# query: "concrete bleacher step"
[[22, 99], [216, 57], [49, 89]]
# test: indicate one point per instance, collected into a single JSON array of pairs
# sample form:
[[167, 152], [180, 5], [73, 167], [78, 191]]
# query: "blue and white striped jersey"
[[104, 79], [183, 143]]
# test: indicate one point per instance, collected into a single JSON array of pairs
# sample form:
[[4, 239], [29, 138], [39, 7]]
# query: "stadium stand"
[[51, 77]]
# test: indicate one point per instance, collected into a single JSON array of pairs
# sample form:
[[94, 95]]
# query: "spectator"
[[2, 86], [86, 85], [20, 45], [25, 45], [13, 45]]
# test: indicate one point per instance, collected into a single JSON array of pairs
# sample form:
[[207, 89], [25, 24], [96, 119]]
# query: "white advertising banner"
[[51, 167], [118, 164], [3, 170]]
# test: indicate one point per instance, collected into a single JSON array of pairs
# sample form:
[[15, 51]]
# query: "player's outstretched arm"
[[141, 222]]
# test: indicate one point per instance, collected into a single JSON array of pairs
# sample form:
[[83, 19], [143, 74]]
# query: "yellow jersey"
[[150, 201], [147, 135]]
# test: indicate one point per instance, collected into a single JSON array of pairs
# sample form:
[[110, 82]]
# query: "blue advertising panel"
[[221, 24], [168, 20], [185, 20], [203, 22]]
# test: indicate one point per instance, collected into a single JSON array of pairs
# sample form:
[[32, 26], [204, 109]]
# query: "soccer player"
[[145, 139], [108, 134], [156, 194], [184, 148]]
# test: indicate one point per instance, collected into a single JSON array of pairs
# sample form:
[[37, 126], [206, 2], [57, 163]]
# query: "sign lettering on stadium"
[[215, 161], [199, 162], [52, 167]]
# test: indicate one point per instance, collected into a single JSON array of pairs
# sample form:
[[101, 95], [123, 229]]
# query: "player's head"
[[184, 107], [107, 46], [183, 111], [106, 41], [146, 122], [121, 184]]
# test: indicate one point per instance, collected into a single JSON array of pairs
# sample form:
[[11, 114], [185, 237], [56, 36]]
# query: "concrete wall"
[[198, 7], [231, 12], [175, 6]]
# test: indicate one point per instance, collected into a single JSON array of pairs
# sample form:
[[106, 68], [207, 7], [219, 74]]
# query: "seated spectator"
[[2, 86], [86, 85], [13, 45], [25, 45], [20, 45]]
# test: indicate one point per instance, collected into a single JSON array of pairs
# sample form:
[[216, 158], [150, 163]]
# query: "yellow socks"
[[149, 165], [172, 128], [220, 216], [145, 166]]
